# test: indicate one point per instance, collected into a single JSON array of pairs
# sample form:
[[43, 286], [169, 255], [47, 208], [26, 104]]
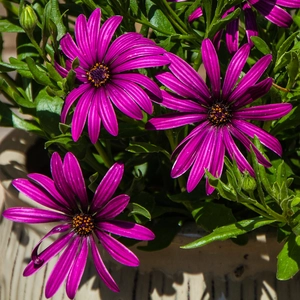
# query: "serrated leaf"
[[230, 231]]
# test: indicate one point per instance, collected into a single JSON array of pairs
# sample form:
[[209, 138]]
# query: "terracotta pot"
[[222, 270]]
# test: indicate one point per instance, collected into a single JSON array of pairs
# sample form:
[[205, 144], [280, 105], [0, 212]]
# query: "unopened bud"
[[249, 184], [28, 19]]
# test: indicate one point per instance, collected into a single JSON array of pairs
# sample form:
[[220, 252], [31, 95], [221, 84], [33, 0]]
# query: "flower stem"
[[100, 149]]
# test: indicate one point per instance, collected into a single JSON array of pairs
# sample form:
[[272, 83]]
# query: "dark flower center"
[[98, 74], [83, 224], [219, 114]]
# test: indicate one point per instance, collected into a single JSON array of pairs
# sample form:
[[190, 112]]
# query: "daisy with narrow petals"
[[82, 223], [272, 10], [105, 75], [219, 113]]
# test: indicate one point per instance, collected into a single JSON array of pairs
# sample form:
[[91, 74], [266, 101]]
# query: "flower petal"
[[94, 121], [197, 13], [234, 69], [174, 120], [117, 250], [127, 229], [101, 269], [93, 27], [113, 208], [267, 112], [77, 269], [47, 254], [265, 138], [74, 177], [250, 23], [232, 36], [212, 67], [106, 33], [107, 186], [33, 215], [289, 3], [62, 268]]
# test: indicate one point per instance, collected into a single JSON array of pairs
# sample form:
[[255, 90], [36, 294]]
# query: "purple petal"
[[175, 85], [117, 250], [62, 268], [47, 254], [250, 23], [289, 3], [212, 67], [48, 185], [80, 114], [93, 26], [113, 208], [234, 69], [247, 143], [107, 186], [174, 120], [33, 215], [77, 269], [101, 269], [36, 193], [82, 39], [197, 13], [123, 43], [141, 62], [123, 102], [136, 93], [188, 76], [106, 33], [127, 229], [75, 179], [267, 112], [71, 50], [72, 97], [232, 36], [272, 12], [60, 181], [106, 112], [142, 80], [250, 78], [94, 121], [235, 153], [216, 167], [180, 104], [254, 92], [265, 138], [203, 159], [61, 71]]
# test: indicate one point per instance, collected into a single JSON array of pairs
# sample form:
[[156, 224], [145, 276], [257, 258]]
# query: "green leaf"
[[7, 26], [288, 260], [292, 69], [48, 111], [143, 147], [286, 45], [137, 209], [230, 231], [261, 45]]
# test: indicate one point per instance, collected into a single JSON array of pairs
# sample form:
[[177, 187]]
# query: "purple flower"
[[82, 222], [105, 74], [197, 13], [270, 9], [219, 113]]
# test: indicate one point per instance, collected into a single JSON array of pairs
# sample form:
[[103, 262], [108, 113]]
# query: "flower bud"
[[249, 184], [28, 19]]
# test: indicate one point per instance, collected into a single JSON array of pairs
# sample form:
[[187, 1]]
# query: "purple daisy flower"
[[82, 223], [105, 75], [270, 9], [219, 113]]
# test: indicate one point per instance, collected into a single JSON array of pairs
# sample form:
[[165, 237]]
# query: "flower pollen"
[[83, 224], [219, 114], [98, 75]]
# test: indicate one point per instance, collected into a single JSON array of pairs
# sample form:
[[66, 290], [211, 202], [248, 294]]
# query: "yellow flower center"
[[83, 224], [219, 114], [98, 75]]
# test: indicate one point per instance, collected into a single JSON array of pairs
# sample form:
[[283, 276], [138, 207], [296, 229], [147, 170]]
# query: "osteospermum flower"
[[105, 75], [270, 9], [82, 223], [219, 113]]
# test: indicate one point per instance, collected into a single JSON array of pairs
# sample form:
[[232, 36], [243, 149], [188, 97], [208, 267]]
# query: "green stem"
[[37, 47], [100, 149]]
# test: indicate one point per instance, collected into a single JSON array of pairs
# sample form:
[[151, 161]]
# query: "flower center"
[[98, 74], [83, 224], [219, 114]]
